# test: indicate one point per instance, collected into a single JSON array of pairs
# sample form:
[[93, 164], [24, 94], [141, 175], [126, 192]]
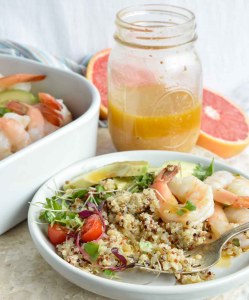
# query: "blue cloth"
[[29, 52]]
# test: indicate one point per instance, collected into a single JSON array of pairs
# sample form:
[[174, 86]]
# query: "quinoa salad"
[[128, 214]]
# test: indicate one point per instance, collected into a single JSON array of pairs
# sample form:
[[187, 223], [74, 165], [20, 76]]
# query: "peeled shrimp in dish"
[[19, 81], [229, 189], [173, 193], [28, 123], [35, 126], [13, 136]]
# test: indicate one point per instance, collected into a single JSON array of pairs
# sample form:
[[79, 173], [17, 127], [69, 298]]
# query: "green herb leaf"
[[145, 246], [140, 183], [109, 273], [79, 194], [181, 212], [202, 172], [92, 249], [56, 210], [99, 188], [3, 111], [190, 206], [236, 242]]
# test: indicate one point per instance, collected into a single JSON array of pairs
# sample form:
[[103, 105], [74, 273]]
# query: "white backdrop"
[[74, 28]]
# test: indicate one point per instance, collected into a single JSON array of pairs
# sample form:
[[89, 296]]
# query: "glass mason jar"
[[154, 79]]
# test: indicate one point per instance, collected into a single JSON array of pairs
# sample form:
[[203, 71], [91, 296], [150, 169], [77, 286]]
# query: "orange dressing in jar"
[[172, 122], [154, 80]]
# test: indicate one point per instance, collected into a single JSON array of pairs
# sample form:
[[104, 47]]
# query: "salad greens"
[[56, 210], [109, 273], [3, 111], [139, 183], [202, 172], [92, 249], [236, 242]]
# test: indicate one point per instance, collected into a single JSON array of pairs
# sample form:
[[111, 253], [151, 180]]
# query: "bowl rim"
[[138, 288], [86, 117]]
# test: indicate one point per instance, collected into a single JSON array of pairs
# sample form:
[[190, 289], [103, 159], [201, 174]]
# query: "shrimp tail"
[[49, 101], [8, 81], [228, 198], [17, 107], [50, 109], [241, 201], [160, 184], [167, 174], [52, 116]]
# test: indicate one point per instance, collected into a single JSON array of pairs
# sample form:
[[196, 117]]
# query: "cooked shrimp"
[[13, 136], [237, 215], [218, 221], [24, 120], [5, 147], [160, 185], [54, 111], [239, 186], [225, 219], [228, 189], [35, 127], [66, 114], [189, 189], [49, 128], [8, 81]]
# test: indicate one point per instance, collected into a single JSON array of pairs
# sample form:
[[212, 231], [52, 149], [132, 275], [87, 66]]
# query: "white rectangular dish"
[[23, 172]]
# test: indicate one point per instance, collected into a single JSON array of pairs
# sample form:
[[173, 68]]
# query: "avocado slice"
[[17, 95], [187, 168], [118, 169], [122, 183]]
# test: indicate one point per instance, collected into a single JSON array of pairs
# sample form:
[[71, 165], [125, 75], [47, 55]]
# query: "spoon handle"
[[233, 232]]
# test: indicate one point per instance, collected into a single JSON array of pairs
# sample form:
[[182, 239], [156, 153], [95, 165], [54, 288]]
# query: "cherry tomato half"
[[91, 229], [57, 234]]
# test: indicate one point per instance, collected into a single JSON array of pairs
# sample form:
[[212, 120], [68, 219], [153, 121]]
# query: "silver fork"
[[210, 253]]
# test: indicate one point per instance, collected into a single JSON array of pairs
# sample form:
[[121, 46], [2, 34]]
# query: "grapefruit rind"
[[221, 147], [89, 76]]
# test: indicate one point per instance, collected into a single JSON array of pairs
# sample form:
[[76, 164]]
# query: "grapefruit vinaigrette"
[[150, 117], [154, 79]]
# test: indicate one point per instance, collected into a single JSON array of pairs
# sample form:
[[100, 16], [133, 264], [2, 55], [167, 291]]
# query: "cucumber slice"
[[18, 95]]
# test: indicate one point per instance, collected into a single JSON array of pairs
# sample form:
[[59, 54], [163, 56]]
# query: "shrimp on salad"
[[22, 123], [225, 219], [195, 197], [229, 189]]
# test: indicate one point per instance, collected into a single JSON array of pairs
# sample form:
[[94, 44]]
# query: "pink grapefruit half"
[[224, 127], [97, 73]]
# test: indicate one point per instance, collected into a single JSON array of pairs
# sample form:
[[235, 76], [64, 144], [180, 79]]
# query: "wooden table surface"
[[24, 275]]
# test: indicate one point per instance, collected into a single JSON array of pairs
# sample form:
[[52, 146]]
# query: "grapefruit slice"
[[224, 127], [97, 73]]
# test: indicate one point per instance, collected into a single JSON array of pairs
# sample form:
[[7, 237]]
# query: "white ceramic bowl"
[[131, 286], [23, 172]]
